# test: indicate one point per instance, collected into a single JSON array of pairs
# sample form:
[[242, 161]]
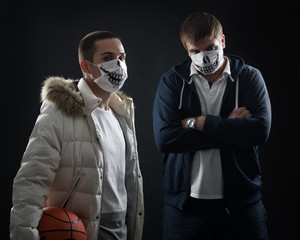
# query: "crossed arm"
[[245, 126], [241, 112]]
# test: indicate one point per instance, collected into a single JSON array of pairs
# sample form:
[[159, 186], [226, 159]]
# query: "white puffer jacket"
[[63, 162]]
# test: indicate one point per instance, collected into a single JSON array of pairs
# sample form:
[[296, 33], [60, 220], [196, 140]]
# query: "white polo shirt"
[[206, 171]]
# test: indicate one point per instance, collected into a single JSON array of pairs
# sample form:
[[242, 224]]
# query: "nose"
[[206, 59]]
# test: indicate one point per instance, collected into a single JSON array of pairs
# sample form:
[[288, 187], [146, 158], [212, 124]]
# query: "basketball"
[[60, 224]]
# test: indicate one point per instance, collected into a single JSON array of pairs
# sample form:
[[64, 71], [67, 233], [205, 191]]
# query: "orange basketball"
[[60, 224]]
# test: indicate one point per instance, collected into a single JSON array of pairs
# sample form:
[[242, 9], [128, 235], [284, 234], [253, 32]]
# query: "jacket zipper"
[[137, 172], [93, 129], [101, 178]]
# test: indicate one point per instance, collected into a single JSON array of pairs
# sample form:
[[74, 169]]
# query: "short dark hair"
[[87, 48], [200, 26]]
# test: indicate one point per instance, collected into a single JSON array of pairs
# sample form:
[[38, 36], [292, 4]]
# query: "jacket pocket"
[[71, 192]]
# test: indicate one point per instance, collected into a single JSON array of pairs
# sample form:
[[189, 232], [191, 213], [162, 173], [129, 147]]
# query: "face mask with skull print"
[[208, 62], [113, 75]]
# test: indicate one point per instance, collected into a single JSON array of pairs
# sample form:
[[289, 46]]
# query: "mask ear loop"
[[91, 75], [91, 63]]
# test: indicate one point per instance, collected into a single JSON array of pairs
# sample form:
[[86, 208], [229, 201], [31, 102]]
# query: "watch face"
[[191, 123]]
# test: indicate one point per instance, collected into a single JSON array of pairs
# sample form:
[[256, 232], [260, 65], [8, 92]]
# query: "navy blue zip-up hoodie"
[[237, 139]]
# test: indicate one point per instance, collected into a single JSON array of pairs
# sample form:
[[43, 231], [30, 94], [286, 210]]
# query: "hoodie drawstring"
[[181, 94], [236, 93]]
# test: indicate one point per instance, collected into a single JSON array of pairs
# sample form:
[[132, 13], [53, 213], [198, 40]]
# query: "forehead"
[[202, 43], [112, 45]]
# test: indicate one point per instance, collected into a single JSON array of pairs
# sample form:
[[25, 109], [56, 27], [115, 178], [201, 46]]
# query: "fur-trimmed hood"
[[74, 97]]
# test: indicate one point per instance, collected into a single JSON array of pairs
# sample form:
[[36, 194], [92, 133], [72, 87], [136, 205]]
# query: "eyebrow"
[[111, 53]]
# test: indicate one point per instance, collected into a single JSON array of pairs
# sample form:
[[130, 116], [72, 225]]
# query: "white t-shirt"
[[112, 141], [206, 172]]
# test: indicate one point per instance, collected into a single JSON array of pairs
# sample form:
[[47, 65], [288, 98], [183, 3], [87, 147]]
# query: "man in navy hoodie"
[[210, 114]]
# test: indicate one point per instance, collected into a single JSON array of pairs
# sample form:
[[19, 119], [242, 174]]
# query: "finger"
[[232, 114], [244, 113], [241, 110], [249, 115]]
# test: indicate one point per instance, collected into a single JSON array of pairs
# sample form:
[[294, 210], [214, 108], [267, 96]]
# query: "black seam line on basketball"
[[62, 230], [69, 221], [60, 219]]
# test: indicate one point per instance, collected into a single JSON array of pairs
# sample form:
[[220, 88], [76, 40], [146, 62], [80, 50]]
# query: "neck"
[[100, 93]]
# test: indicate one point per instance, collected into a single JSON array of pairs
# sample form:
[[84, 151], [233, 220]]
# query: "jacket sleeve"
[[245, 132], [169, 134], [36, 173]]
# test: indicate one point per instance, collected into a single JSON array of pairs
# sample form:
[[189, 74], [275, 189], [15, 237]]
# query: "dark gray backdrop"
[[40, 39]]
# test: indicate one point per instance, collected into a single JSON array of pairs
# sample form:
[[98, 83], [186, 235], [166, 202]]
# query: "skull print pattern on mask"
[[113, 75], [208, 62]]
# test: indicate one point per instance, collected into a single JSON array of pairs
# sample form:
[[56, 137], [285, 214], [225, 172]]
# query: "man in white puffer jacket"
[[82, 153]]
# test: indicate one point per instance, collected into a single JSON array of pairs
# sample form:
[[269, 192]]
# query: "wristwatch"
[[191, 123]]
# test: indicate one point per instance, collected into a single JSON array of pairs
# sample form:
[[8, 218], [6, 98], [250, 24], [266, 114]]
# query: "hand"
[[241, 112]]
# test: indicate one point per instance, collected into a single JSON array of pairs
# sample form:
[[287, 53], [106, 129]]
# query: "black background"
[[40, 39]]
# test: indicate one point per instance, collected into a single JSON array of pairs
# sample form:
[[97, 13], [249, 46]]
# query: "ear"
[[85, 67], [223, 41]]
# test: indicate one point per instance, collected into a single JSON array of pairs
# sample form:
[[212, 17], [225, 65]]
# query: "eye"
[[122, 57], [107, 58], [212, 47], [194, 51]]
